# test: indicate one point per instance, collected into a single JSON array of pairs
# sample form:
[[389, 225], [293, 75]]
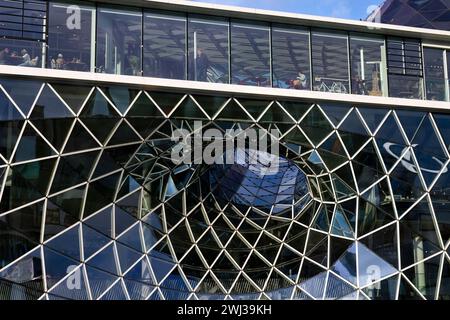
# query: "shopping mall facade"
[[93, 204]]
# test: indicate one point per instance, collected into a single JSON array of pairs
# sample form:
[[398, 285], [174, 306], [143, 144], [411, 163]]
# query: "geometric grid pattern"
[[92, 207]]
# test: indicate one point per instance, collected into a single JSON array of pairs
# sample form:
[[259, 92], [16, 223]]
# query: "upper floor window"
[[435, 81], [71, 37], [208, 49], [165, 45], [291, 58], [368, 66], [250, 53], [330, 62], [119, 41], [405, 69]]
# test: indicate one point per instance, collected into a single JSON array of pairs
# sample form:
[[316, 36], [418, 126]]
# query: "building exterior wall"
[[98, 201]]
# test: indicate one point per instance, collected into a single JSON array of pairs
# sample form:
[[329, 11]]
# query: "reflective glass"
[[208, 49], [368, 66], [119, 40], [164, 45], [21, 53], [250, 54], [434, 74], [330, 62], [71, 37], [291, 58]]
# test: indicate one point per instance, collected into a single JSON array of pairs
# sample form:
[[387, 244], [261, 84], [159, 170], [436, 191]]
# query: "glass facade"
[[71, 37], [250, 54], [165, 45], [88, 192], [208, 49], [436, 83], [291, 58], [330, 62], [368, 66], [187, 46], [119, 41]]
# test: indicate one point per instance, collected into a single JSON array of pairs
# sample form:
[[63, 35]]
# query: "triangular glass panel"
[[79, 139], [122, 97], [123, 134], [383, 243], [316, 126], [166, 100], [161, 268], [296, 109], [115, 293], [383, 290], [8, 111], [101, 221], [57, 266], [410, 121], [345, 266], [188, 109], [54, 130], [336, 288], [74, 96], [371, 267], [127, 257], [23, 92], [132, 238], [138, 290], [67, 243], [49, 106], [11, 130], [335, 112], [105, 260], [99, 281], [73, 288], [353, 133], [426, 146], [254, 107], [373, 116], [73, 170], [315, 286], [92, 241], [32, 146], [143, 107], [407, 291], [210, 104], [425, 276], [29, 267], [233, 111]]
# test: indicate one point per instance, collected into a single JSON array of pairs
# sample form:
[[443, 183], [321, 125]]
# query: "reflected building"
[[350, 199], [431, 14]]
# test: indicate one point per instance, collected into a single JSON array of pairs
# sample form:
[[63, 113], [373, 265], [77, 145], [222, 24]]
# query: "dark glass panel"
[[250, 54], [291, 58], [70, 36], [435, 81], [208, 49], [164, 45], [119, 40], [330, 62], [368, 66]]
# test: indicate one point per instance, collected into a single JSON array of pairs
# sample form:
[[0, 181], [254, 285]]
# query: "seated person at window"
[[301, 82], [4, 55], [59, 62], [27, 61]]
